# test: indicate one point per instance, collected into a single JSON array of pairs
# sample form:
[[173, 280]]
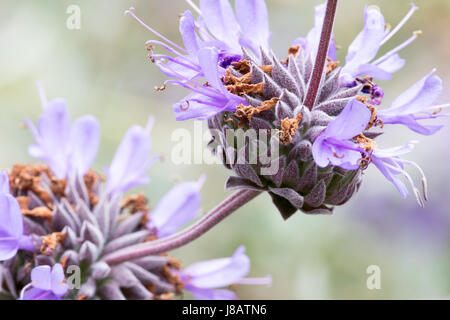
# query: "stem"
[[322, 54], [223, 210]]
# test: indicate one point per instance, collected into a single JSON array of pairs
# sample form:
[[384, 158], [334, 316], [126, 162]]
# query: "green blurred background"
[[102, 69]]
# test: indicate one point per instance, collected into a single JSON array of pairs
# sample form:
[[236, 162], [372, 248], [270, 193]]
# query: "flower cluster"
[[237, 83], [59, 220]]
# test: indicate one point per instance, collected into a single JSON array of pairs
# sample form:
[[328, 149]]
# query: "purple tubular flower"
[[217, 29], [47, 283], [207, 101], [67, 149], [334, 145], [310, 44], [179, 206], [416, 104], [391, 165], [203, 278], [132, 159], [12, 236], [363, 50]]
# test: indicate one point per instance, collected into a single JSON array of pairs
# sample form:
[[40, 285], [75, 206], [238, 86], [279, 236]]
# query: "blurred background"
[[102, 69]]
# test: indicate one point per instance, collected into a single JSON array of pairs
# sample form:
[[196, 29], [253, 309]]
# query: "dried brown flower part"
[[50, 241], [331, 65], [91, 179], [39, 212], [374, 121], [242, 66], [24, 178], [367, 144], [247, 112], [137, 203], [289, 127], [23, 202], [243, 89]]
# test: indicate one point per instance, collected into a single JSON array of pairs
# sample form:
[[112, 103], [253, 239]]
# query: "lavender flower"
[[69, 149], [218, 28], [203, 279], [12, 238], [131, 161], [334, 143], [179, 206], [362, 51], [327, 116], [4, 182], [47, 283], [416, 104]]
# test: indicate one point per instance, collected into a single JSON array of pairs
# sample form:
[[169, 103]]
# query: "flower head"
[[47, 283], [325, 137]]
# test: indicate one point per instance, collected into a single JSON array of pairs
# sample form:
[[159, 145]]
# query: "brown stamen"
[[331, 65]]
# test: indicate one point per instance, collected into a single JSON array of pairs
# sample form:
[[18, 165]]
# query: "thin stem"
[[223, 210], [322, 53]]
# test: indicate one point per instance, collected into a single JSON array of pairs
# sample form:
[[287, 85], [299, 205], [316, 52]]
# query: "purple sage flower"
[[203, 279], [47, 283], [129, 166], [179, 206], [12, 238], [334, 143], [416, 104], [68, 149], [4, 183], [360, 59]]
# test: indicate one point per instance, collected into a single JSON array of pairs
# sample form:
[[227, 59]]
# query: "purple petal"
[[197, 106], [366, 45], [253, 19], [375, 71], [58, 287], [8, 247], [4, 182], [219, 272], [54, 132], [390, 174], [221, 22], [392, 65], [350, 122], [420, 96], [187, 31], [11, 221], [41, 277], [411, 123], [131, 161], [208, 59], [179, 206], [85, 139], [38, 294]]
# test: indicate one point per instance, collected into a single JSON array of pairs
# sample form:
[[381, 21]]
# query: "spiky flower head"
[[325, 117], [60, 220]]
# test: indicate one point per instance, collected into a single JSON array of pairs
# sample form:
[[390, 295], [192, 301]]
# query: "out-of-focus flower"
[[132, 159], [179, 206], [69, 149], [12, 238], [47, 283], [203, 279], [79, 221]]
